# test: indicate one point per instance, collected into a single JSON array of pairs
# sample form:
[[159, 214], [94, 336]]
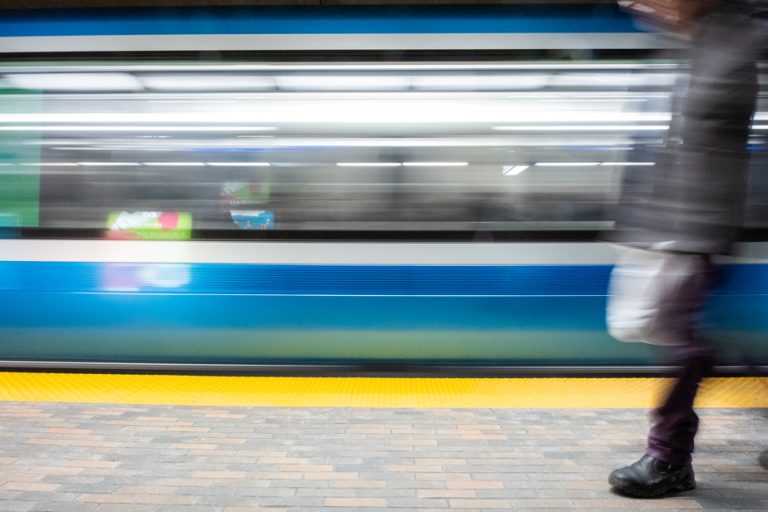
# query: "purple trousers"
[[671, 439]]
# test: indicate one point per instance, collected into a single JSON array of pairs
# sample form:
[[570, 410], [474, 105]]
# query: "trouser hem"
[[673, 459]]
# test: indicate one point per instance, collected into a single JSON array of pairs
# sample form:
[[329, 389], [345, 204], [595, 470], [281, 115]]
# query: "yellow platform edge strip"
[[741, 392]]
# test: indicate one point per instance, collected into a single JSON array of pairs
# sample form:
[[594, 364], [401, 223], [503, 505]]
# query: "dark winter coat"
[[692, 200]]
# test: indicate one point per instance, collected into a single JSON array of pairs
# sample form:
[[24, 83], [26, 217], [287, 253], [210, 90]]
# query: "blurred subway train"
[[220, 188]]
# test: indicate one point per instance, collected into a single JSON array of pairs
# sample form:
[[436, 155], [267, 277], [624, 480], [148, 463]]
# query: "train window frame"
[[410, 57]]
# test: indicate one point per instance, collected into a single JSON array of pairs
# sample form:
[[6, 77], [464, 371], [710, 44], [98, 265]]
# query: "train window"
[[165, 150]]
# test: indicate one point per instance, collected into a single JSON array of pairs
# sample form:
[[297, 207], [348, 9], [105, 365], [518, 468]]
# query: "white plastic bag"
[[655, 297]]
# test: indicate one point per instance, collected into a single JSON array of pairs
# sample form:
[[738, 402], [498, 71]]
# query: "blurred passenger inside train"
[[679, 215]]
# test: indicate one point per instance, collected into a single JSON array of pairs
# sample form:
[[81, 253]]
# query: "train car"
[[228, 188]]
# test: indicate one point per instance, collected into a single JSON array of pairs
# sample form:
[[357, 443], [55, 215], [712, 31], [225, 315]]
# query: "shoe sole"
[[639, 492]]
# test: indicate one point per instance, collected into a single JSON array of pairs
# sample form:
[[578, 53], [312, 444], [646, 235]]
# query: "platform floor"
[[74, 456]]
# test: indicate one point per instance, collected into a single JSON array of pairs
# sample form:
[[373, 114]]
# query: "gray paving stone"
[[299, 484], [416, 484], [350, 493], [63, 507], [16, 506], [506, 493], [550, 459], [46, 497], [125, 507], [89, 488], [412, 503], [229, 501], [188, 508], [293, 502]]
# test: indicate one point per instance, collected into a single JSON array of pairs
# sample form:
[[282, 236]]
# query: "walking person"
[[670, 225]]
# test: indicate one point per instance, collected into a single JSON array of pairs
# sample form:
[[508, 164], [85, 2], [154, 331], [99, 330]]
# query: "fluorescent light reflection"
[[342, 82], [583, 128], [592, 100], [238, 164], [183, 82], [513, 170], [629, 164], [75, 81], [50, 164], [612, 79], [219, 67], [388, 109], [435, 164], [480, 82], [602, 143], [369, 164], [566, 164], [109, 164], [176, 164], [129, 128]]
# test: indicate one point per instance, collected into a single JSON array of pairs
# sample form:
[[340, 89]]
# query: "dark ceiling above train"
[[60, 4]]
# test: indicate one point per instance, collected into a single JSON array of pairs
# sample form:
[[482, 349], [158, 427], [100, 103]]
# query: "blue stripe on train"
[[446, 280], [319, 20], [441, 280], [215, 313]]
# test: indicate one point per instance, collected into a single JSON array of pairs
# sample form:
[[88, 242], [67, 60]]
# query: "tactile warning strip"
[[740, 392]]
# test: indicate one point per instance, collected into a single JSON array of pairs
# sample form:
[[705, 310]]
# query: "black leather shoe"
[[763, 459], [652, 478]]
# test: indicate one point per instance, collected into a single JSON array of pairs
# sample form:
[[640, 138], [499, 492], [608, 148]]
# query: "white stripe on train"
[[267, 42]]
